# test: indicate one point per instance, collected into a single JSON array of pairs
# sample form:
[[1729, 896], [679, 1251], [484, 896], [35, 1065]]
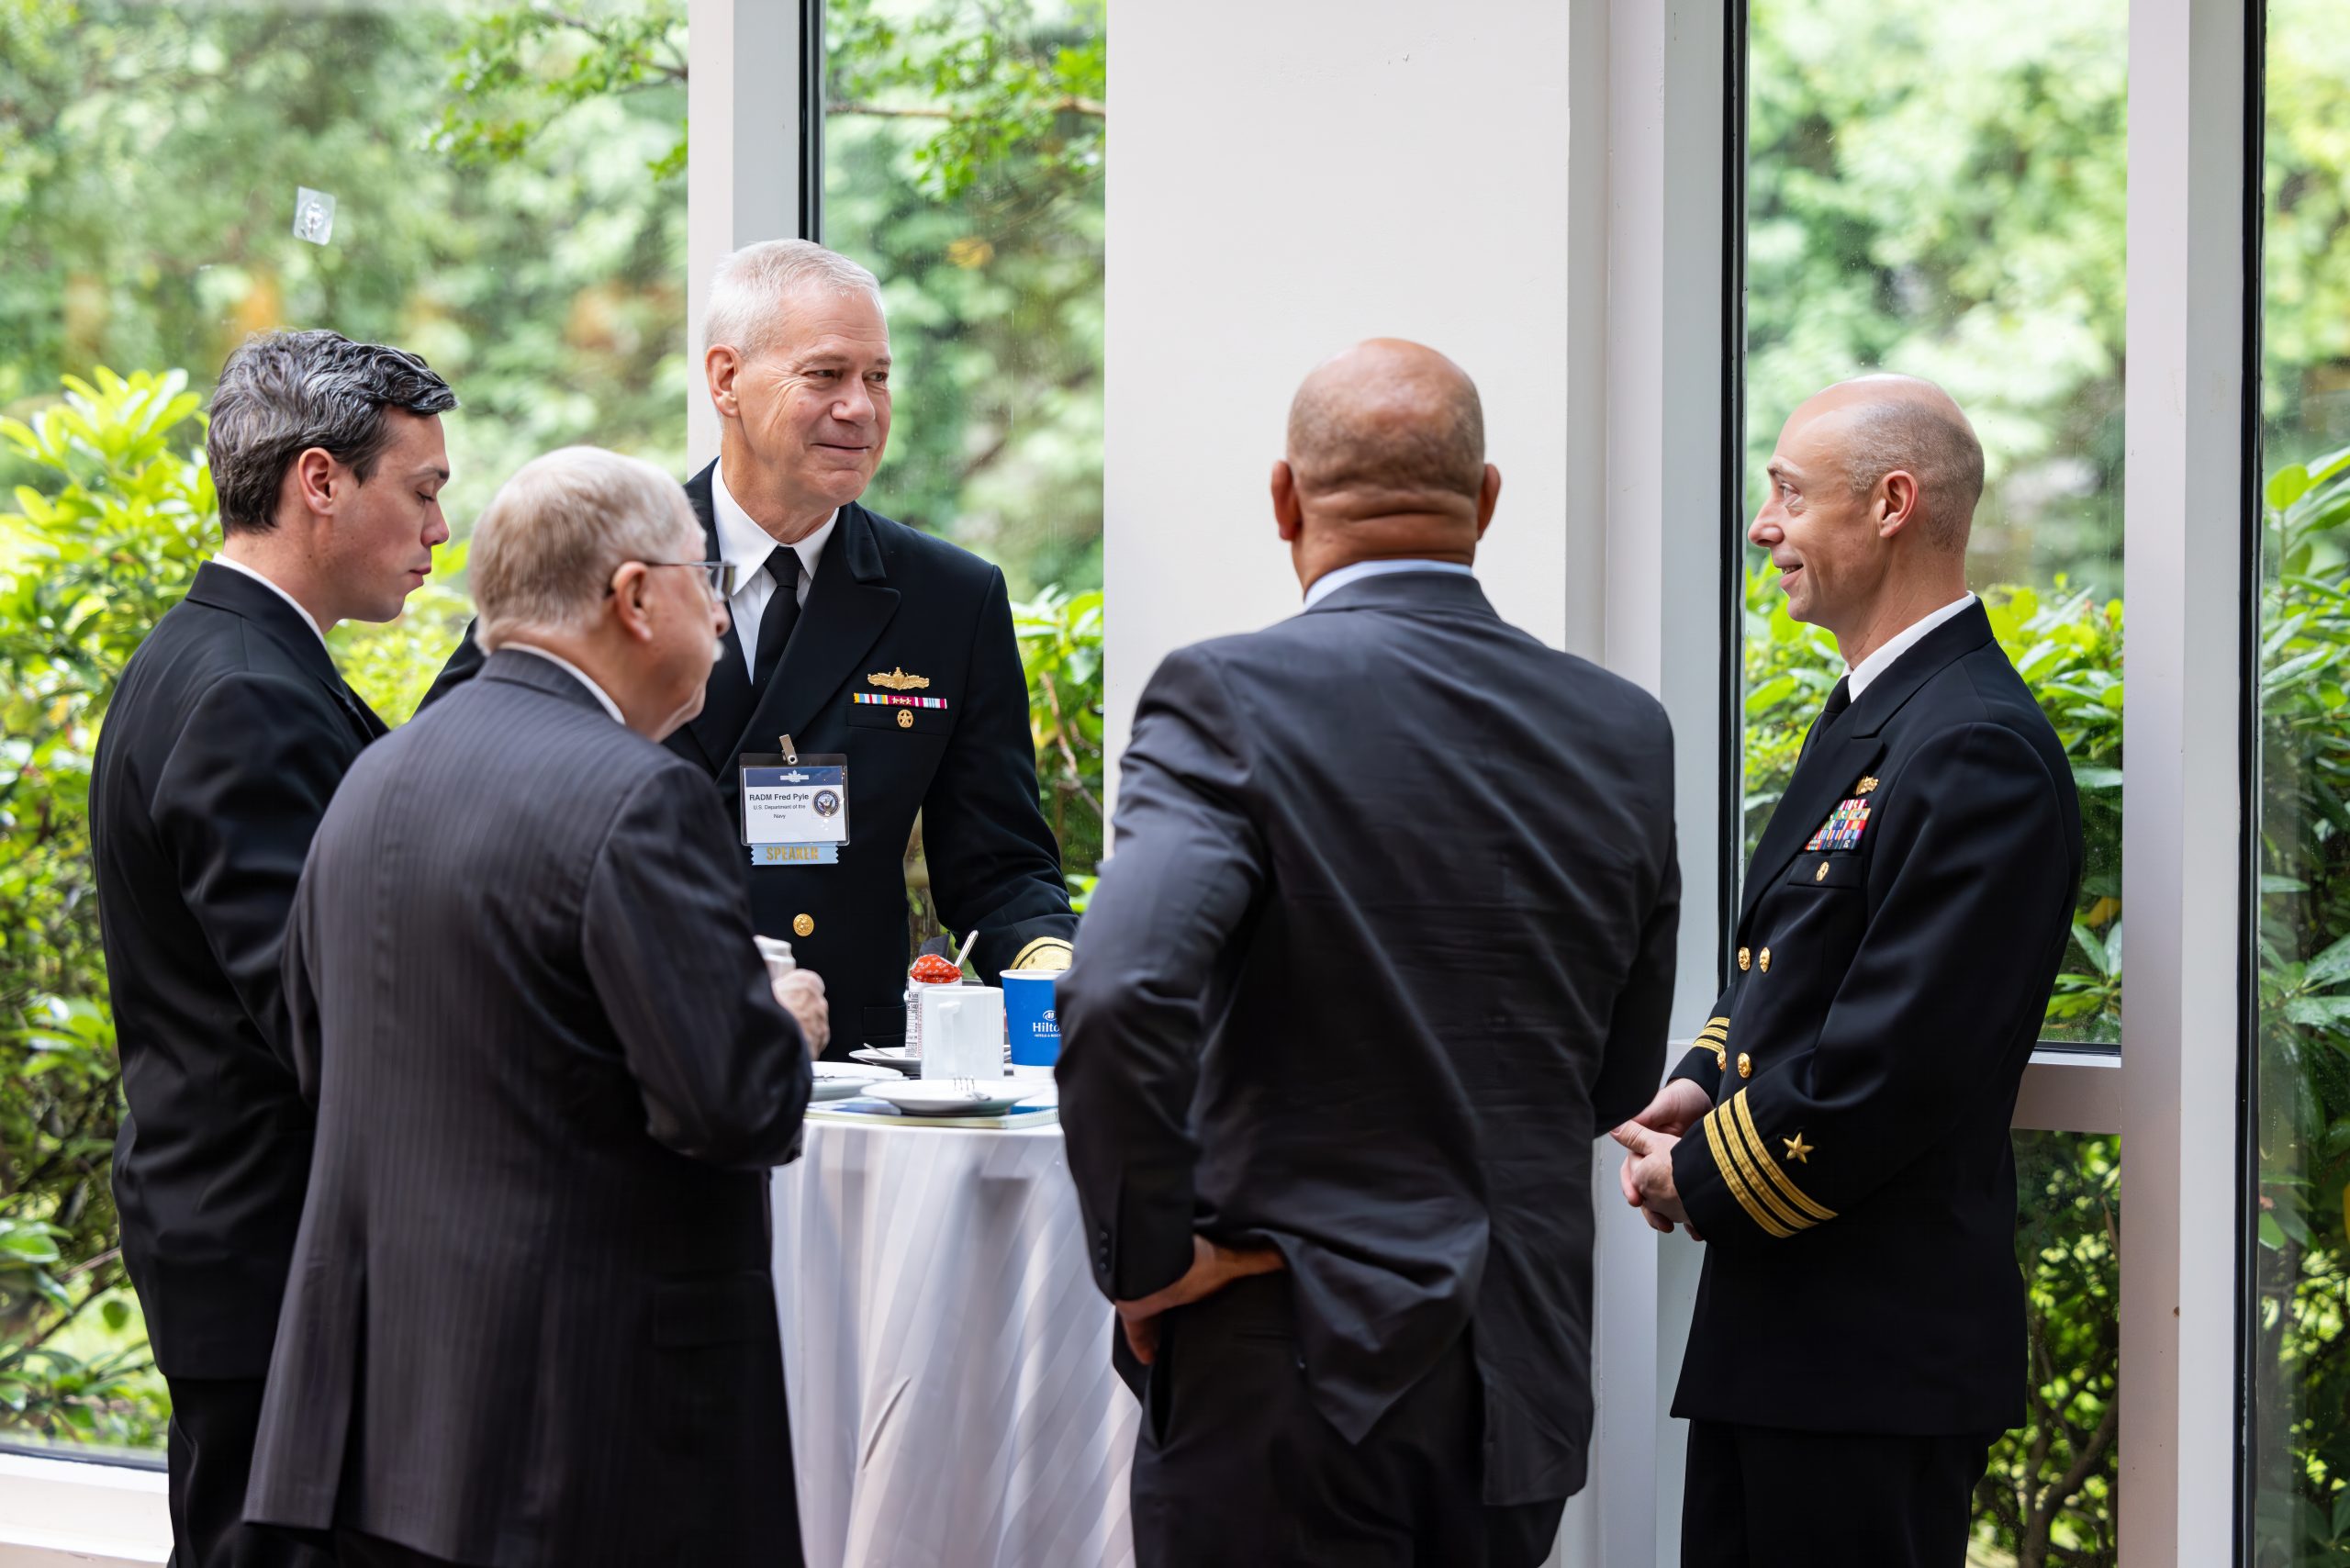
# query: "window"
[[2298, 1421], [1939, 190], [504, 196], [963, 162]]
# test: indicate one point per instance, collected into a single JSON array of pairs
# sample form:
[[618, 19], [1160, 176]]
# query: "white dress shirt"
[[1858, 676], [248, 571], [576, 673], [746, 544], [1330, 583]]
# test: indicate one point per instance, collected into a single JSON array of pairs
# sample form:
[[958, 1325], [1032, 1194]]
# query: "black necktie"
[[781, 615], [1837, 700]]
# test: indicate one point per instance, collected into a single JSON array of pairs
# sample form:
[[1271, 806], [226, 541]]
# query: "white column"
[[1381, 167], [2181, 847], [1670, 522], [742, 105]]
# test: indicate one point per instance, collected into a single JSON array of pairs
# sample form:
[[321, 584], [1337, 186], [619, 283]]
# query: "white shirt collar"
[[575, 672], [745, 543], [1858, 678], [248, 571], [1330, 583]]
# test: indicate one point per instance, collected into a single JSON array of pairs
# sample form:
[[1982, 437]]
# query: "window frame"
[[2178, 1104], [2191, 351]]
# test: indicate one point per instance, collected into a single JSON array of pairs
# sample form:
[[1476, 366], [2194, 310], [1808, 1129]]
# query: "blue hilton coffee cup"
[[1028, 1013]]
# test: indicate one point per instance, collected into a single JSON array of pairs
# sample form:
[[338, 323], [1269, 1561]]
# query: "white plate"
[[896, 1059], [951, 1096], [838, 1081]]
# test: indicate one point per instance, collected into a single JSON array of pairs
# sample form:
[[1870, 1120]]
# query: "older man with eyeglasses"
[[531, 1319]]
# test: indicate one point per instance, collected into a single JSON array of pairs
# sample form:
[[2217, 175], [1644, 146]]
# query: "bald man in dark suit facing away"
[[1387, 939]]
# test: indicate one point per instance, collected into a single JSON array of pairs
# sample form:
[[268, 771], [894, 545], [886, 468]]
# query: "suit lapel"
[[1833, 763], [370, 727], [726, 700], [848, 605], [225, 588]]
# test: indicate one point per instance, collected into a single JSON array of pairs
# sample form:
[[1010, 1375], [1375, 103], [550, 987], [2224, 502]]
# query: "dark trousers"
[[1762, 1497], [1235, 1465], [353, 1549], [210, 1453]]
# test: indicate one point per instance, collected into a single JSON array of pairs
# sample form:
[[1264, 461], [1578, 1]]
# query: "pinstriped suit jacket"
[[530, 1319]]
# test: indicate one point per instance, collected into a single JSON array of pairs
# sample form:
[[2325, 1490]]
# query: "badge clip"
[[790, 753]]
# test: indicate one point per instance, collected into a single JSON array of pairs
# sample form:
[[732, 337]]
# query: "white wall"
[[1287, 179]]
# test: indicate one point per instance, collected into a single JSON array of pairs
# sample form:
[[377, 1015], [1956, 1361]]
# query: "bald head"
[[1880, 424], [1392, 423]]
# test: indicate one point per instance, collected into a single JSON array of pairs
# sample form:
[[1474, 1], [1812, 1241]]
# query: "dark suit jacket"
[[888, 601], [227, 735], [1387, 938], [1856, 1185], [531, 1319]]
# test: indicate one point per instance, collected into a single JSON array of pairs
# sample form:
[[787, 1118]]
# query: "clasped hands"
[[1650, 1138], [1214, 1266]]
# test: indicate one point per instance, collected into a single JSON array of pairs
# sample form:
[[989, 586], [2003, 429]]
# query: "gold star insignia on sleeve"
[[1798, 1150]]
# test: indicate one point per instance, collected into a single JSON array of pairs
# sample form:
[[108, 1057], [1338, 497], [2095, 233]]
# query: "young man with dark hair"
[[227, 734]]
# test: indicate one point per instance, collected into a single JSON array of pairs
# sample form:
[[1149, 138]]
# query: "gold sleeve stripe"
[[1755, 1180], [1721, 1023], [1716, 1141], [1044, 953], [1788, 1192]]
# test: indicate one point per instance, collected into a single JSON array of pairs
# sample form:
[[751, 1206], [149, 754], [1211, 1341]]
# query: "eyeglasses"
[[719, 577]]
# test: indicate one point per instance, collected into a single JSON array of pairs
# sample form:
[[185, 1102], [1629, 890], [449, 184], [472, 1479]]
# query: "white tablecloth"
[[948, 1356]]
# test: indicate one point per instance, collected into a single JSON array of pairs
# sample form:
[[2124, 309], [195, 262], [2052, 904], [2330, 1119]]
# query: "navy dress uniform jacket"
[[227, 737], [1387, 939], [531, 1321], [1856, 1185], [889, 606]]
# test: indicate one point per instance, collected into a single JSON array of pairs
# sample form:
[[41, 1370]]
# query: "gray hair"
[[1929, 439], [282, 393], [748, 290], [546, 547]]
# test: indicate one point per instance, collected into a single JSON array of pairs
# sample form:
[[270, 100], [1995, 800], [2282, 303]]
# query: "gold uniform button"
[[1745, 959], [803, 925], [1820, 875], [1764, 959], [905, 722], [1745, 1065]]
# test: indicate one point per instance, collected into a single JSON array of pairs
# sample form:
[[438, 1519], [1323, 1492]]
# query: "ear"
[[720, 366], [1900, 502], [318, 480], [1489, 494], [629, 606], [1289, 514]]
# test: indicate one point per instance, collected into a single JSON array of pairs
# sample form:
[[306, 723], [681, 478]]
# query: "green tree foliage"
[[149, 160], [964, 157], [1060, 644], [2301, 1382], [1938, 189]]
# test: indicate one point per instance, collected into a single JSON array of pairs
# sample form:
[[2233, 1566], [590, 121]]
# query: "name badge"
[[795, 809]]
